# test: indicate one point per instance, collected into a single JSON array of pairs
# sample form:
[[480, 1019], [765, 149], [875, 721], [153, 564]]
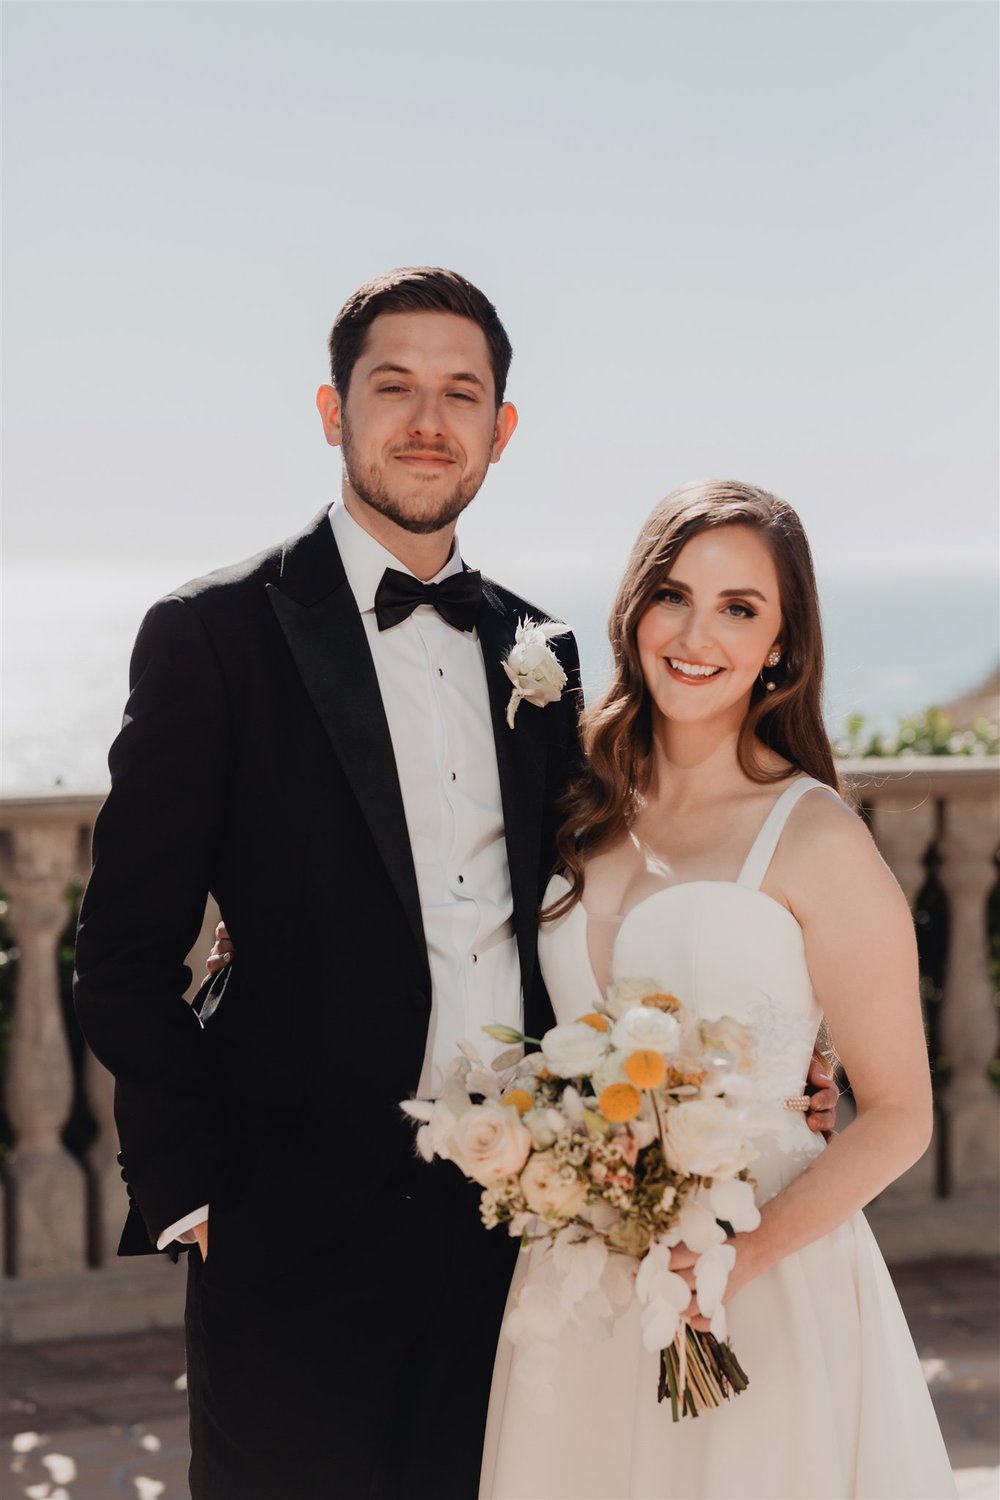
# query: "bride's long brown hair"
[[617, 731]]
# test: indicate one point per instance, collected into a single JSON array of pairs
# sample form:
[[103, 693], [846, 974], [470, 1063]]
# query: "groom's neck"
[[424, 555]]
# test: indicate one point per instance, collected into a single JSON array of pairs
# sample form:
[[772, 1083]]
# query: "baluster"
[[48, 1189], [905, 819], [969, 1021]]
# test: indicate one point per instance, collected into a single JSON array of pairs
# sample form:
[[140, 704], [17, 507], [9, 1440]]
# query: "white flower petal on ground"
[[733, 1200]]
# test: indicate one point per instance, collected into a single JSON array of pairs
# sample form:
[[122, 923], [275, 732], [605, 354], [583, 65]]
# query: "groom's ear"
[[329, 407], [503, 428]]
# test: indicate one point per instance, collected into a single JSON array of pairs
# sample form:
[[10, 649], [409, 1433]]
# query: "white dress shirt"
[[432, 679]]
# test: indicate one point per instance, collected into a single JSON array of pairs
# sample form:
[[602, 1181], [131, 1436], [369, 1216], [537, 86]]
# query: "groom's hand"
[[200, 1232], [822, 1114]]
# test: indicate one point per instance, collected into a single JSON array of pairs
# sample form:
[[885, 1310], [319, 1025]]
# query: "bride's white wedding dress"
[[837, 1407]]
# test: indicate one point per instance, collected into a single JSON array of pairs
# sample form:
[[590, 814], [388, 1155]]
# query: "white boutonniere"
[[533, 666]]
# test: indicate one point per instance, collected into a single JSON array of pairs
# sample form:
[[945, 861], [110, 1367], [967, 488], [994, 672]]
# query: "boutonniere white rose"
[[533, 666]]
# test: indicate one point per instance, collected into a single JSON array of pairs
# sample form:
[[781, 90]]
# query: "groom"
[[317, 736]]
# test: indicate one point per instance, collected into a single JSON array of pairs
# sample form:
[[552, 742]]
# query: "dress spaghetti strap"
[[763, 847]]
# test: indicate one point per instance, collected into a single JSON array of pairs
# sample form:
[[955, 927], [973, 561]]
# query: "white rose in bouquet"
[[704, 1138], [488, 1142], [645, 1027], [550, 1190], [574, 1050]]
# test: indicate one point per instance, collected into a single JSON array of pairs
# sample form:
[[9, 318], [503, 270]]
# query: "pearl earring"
[[773, 657]]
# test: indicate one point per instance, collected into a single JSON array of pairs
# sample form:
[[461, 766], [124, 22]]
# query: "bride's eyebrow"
[[683, 588]]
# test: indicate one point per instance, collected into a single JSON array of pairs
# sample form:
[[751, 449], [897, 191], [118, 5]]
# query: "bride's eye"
[[741, 611], [668, 596]]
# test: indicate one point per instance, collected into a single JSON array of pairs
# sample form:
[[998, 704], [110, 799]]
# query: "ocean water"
[[895, 645]]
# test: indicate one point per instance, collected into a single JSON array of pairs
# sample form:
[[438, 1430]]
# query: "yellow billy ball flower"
[[646, 1068], [620, 1102], [593, 1018], [520, 1100]]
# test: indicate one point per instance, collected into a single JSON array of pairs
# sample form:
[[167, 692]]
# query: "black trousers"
[[358, 1371]]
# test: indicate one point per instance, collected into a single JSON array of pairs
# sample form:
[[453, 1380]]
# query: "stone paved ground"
[[95, 1419]]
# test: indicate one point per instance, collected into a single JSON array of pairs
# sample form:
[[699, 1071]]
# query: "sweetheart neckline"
[[653, 895], [668, 890]]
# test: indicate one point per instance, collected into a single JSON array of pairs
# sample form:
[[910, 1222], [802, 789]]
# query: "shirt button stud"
[[454, 776], [475, 958], [461, 880], [440, 671]]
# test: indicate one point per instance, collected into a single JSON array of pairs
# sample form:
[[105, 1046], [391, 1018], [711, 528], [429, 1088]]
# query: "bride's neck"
[[692, 763]]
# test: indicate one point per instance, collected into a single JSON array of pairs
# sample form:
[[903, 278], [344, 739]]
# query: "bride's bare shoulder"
[[826, 846]]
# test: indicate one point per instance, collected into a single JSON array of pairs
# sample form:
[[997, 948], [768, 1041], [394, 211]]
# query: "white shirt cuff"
[[181, 1229]]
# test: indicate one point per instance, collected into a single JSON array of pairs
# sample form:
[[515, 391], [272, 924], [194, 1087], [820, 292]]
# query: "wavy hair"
[[618, 730]]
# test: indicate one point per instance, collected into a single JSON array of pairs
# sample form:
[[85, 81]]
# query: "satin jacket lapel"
[[319, 617], [522, 754]]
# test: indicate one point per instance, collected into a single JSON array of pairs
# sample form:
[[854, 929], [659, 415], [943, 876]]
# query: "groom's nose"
[[427, 416]]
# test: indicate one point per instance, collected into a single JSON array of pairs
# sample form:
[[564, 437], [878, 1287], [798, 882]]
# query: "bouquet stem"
[[697, 1373]]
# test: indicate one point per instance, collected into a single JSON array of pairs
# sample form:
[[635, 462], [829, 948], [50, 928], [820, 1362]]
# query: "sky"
[[754, 240]]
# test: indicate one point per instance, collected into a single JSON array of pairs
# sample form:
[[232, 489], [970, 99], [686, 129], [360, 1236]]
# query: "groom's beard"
[[417, 512]]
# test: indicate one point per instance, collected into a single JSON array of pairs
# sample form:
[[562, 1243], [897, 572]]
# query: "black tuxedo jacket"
[[255, 762]]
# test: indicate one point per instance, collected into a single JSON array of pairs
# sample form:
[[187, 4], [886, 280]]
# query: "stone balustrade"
[[63, 1215]]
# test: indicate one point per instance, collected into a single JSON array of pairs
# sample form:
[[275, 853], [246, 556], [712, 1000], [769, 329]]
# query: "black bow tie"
[[456, 599]]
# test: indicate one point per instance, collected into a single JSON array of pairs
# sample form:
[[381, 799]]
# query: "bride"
[[705, 846]]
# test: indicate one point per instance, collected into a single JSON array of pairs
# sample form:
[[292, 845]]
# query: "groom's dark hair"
[[415, 289]]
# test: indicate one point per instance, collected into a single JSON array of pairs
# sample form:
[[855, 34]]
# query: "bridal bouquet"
[[628, 1132]]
